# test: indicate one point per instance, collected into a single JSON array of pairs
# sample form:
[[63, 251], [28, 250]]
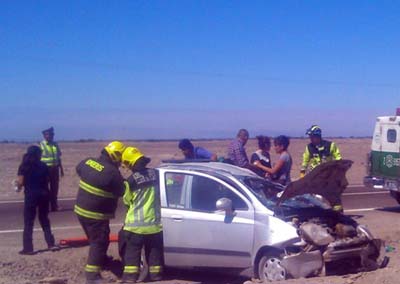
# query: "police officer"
[[51, 156], [319, 151], [100, 185], [143, 219]]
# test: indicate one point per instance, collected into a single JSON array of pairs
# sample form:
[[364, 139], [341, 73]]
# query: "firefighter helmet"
[[131, 155], [115, 150], [314, 130]]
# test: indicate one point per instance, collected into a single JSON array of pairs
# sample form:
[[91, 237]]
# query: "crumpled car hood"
[[328, 180]]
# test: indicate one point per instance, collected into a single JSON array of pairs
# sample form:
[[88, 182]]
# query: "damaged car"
[[222, 216]]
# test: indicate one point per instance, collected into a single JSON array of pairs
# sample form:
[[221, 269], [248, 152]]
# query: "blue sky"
[[197, 69]]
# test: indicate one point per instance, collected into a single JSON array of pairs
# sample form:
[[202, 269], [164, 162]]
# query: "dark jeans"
[[130, 247], [54, 173], [97, 232], [32, 203]]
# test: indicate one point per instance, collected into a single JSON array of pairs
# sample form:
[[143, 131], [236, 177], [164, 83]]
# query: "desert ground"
[[68, 263], [73, 152]]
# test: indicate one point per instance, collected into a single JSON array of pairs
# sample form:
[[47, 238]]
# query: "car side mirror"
[[225, 204]]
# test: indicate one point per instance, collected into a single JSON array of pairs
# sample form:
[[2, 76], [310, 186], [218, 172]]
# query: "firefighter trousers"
[[131, 244], [97, 232]]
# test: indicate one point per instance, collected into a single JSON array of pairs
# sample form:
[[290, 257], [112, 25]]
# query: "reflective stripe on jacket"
[[143, 198], [100, 186], [50, 153], [316, 155]]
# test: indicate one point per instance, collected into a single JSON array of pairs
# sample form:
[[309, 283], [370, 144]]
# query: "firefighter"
[[319, 151], [142, 227], [51, 156], [100, 186]]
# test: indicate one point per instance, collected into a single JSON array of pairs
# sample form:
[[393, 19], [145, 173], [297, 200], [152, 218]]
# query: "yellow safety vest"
[[314, 156], [50, 153], [144, 213]]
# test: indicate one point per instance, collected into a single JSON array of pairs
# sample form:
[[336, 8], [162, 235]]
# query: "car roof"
[[213, 168]]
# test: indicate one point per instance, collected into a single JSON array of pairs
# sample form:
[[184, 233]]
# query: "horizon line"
[[88, 140]]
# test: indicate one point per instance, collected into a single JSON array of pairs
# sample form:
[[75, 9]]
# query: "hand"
[[61, 172], [256, 163], [302, 174]]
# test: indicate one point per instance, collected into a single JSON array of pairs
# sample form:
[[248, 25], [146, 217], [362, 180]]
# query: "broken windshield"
[[268, 192]]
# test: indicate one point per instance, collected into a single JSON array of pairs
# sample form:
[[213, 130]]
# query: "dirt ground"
[[11, 155], [67, 263]]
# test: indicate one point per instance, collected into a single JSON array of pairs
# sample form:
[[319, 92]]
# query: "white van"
[[383, 170]]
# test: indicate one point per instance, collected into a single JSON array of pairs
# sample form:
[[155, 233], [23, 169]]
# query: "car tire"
[[395, 195], [270, 268]]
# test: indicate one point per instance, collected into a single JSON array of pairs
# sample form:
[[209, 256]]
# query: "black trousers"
[[54, 173], [97, 232], [32, 204], [130, 247]]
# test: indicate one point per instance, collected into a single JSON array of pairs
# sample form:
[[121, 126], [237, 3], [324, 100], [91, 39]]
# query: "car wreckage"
[[219, 215]]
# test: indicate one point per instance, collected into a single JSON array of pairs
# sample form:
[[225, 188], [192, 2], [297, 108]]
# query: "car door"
[[195, 232]]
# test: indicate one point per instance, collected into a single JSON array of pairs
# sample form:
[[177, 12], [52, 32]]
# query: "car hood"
[[328, 180]]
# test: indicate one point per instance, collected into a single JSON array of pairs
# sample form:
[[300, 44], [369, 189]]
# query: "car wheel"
[[270, 268]]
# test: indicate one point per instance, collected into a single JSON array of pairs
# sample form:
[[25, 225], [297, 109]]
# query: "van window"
[[391, 136]]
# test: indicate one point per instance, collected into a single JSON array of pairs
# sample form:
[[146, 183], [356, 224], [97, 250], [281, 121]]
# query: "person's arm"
[[59, 160], [61, 168], [304, 164], [279, 164], [127, 195], [118, 185], [335, 152], [19, 182]]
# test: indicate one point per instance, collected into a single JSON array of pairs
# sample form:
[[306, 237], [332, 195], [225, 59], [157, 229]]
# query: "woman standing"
[[280, 172], [33, 175], [262, 155]]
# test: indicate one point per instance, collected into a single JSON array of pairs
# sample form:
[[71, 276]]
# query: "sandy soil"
[[67, 263], [11, 155]]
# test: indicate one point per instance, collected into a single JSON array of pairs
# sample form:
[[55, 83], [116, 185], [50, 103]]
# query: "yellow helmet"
[[131, 155], [115, 150]]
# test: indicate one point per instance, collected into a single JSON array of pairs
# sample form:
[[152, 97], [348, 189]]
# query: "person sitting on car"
[[193, 153]]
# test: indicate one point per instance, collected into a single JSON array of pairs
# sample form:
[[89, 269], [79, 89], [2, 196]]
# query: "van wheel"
[[395, 195], [270, 268]]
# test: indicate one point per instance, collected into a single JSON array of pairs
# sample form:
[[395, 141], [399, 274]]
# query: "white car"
[[219, 215]]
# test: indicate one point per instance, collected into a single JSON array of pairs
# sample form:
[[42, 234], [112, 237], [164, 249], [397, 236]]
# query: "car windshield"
[[268, 192]]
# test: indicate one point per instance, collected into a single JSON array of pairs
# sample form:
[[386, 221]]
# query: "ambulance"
[[383, 167]]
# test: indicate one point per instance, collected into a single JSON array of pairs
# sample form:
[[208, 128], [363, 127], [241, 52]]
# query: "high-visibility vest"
[[50, 153], [143, 198], [316, 155]]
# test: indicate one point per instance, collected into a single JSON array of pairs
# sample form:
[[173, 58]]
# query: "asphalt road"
[[355, 199]]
